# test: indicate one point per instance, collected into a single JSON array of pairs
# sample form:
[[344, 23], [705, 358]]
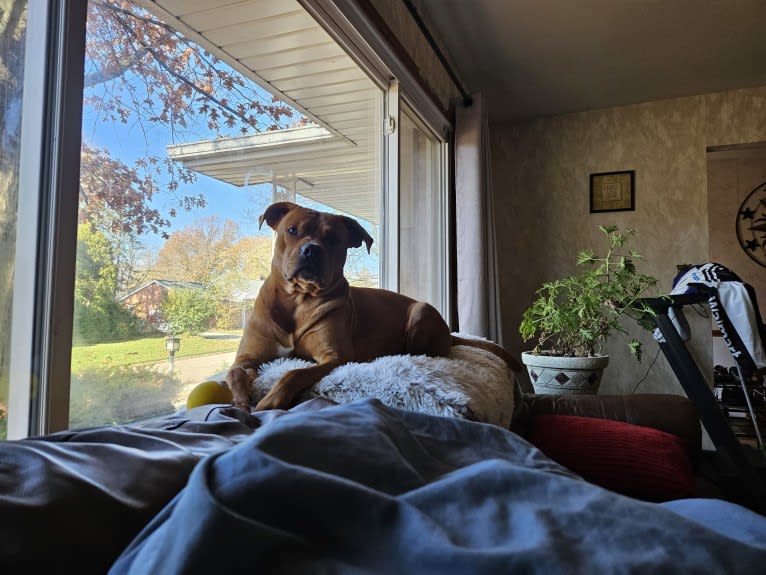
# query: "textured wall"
[[541, 181]]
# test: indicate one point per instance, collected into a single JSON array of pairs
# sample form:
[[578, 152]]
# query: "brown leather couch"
[[673, 414]]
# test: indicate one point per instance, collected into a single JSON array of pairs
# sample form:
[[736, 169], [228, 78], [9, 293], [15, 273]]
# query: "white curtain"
[[477, 285]]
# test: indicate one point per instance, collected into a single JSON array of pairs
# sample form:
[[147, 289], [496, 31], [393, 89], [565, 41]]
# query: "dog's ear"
[[357, 234], [274, 214]]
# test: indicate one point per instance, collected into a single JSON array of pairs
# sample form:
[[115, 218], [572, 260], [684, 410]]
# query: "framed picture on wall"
[[613, 191]]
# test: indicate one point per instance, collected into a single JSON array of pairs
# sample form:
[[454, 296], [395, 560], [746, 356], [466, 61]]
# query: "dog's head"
[[310, 249]]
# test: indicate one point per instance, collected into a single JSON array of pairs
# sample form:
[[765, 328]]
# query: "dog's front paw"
[[271, 401], [243, 405]]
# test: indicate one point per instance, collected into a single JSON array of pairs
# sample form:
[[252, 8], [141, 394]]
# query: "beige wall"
[[541, 181]]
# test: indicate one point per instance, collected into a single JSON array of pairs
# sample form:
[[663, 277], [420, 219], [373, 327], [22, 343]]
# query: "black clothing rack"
[[752, 483]]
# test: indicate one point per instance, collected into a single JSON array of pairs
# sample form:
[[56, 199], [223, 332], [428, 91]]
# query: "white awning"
[[277, 44]]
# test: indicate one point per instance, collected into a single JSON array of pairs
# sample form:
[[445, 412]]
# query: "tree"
[[97, 316], [256, 253], [115, 198], [211, 252], [113, 201], [96, 274], [203, 252]]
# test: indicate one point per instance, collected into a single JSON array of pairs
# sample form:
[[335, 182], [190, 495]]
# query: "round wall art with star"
[[751, 225]]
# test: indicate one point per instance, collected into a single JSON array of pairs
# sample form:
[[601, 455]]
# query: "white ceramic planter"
[[556, 375]]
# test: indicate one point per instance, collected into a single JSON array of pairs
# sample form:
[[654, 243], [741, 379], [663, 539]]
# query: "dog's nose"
[[310, 250]]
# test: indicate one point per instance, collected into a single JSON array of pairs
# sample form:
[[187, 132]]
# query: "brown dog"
[[307, 309]]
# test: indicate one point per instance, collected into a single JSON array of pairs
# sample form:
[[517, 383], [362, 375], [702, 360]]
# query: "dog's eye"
[[292, 230]]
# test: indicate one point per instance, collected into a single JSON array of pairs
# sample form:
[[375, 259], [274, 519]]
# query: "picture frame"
[[613, 191]]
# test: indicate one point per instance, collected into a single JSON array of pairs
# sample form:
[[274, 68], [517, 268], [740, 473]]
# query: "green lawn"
[[146, 350]]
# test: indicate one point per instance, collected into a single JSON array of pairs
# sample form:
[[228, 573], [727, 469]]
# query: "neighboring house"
[[233, 310], [145, 301]]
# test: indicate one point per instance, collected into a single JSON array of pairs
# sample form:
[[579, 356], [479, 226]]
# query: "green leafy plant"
[[573, 316]]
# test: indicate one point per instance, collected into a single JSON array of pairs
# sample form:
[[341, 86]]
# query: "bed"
[[354, 488], [361, 487]]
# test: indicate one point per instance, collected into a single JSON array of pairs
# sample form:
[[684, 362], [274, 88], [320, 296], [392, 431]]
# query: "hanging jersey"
[[731, 303]]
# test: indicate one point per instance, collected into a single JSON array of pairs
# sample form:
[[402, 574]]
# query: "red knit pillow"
[[638, 461]]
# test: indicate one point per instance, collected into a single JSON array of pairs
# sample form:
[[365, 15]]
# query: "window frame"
[[47, 223], [444, 216]]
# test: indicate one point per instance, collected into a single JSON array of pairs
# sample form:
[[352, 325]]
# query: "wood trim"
[[61, 192]]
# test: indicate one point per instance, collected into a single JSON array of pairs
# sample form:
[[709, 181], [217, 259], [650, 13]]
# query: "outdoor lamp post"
[[172, 344]]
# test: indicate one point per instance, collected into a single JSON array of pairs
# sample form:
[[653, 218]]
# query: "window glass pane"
[[182, 149], [13, 24], [422, 232]]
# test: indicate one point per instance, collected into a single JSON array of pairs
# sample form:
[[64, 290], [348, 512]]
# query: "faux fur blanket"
[[469, 384]]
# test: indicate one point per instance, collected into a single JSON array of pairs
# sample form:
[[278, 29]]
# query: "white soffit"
[[277, 44]]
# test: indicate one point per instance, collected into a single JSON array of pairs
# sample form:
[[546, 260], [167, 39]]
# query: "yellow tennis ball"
[[208, 392]]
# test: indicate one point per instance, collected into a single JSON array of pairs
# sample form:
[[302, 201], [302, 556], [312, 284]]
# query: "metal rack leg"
[[696, 388], [750, 409]]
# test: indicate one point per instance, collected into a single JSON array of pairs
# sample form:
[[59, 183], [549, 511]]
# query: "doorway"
[[736, 178]]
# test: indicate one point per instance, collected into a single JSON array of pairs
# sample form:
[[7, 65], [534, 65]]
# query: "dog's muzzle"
[[309, 266]]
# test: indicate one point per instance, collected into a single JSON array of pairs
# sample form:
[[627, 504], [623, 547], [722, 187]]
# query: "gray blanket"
[[359, 488], [71, 501], [364, 488]]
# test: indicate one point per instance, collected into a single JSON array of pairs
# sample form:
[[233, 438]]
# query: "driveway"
[[194, 370]]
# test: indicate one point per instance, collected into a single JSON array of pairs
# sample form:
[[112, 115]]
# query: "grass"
[[146, 350], [111, 382]]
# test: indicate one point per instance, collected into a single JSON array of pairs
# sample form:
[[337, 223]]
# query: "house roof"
[[167, 284], [249, 291], [310, 161]]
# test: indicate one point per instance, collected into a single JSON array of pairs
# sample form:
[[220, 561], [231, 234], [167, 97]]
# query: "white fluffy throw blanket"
[[470, 384]]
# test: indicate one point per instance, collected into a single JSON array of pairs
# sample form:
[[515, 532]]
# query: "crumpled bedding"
[[366, 488], [71, 501], [357, 488]]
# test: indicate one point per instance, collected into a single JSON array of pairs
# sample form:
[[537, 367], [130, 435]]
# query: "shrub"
[[188, 310], [109, 322]]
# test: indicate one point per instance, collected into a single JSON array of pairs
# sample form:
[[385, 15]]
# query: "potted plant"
[[572, 317]]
